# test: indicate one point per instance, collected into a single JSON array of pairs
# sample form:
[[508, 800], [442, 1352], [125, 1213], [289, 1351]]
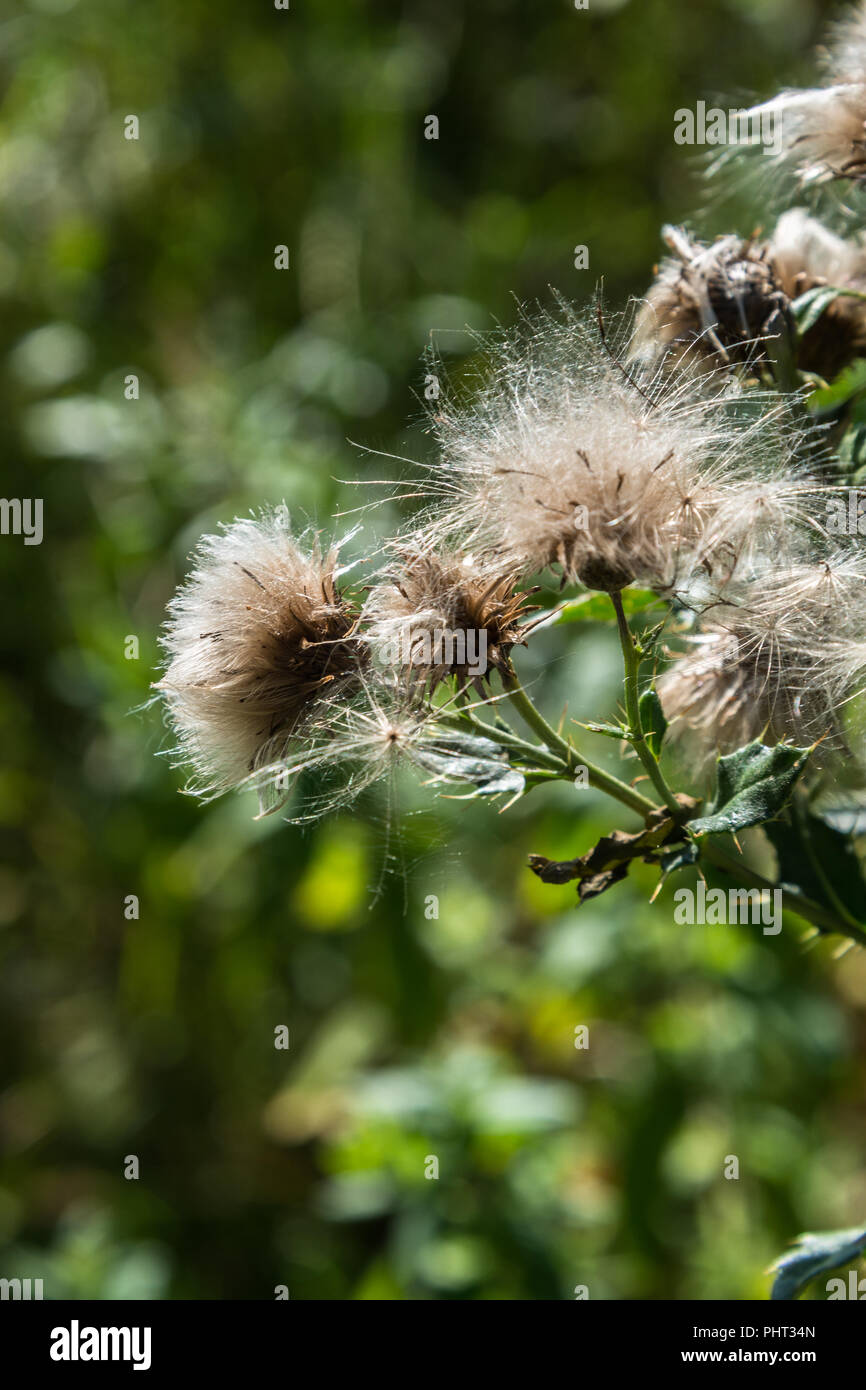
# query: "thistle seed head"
[[255, 637], [805, 256], [614, 473], [713, 303], [777, 659], [437, 615], [822, 130]]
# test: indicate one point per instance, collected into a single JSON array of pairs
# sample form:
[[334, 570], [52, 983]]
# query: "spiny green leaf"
[[488, 778], [471, 758], [508, 780], [680, 857], [815, 1253], [647, 640], [609, 730], [471, 745], [752, 786]]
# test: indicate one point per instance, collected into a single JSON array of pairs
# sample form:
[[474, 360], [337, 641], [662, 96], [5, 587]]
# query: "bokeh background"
[[410, 1036]]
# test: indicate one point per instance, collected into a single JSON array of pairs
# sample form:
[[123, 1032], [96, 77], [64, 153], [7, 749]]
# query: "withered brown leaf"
[[608, 861]]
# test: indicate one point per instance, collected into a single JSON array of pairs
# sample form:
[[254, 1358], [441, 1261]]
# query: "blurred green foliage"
[[411, 1036]]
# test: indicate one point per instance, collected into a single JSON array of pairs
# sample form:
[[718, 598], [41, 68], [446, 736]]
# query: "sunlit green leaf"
[[809, 307], [597, 608]]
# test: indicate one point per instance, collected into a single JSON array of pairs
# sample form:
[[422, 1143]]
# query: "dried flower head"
[[255, 638], [805, 256], [713, 695], [436, 615], [717, 303], [743, 682], [567, 457], [728, 302]]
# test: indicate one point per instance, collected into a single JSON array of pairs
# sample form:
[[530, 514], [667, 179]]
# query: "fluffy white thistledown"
[[255, 639], [352, 744], [568, 458], [781, 656]]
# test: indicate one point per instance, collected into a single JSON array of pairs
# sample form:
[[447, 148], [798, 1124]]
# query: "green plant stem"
[[631, 662], [561, 758], [598, 778]]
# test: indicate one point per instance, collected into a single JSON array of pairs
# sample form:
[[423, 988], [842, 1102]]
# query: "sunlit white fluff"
[[779, 655], [566, 457], [355, 743], [255, 637]]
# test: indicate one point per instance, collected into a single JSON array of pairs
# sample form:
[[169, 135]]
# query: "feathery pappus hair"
[[780, 657], [353, 744], [822, 130], [437, 615], [566, 457], [256, 637]]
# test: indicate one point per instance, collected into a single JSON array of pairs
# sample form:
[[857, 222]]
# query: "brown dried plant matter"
[[427, 599]]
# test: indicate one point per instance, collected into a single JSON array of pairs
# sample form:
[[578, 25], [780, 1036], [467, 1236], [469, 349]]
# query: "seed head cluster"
[[672, 448]]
